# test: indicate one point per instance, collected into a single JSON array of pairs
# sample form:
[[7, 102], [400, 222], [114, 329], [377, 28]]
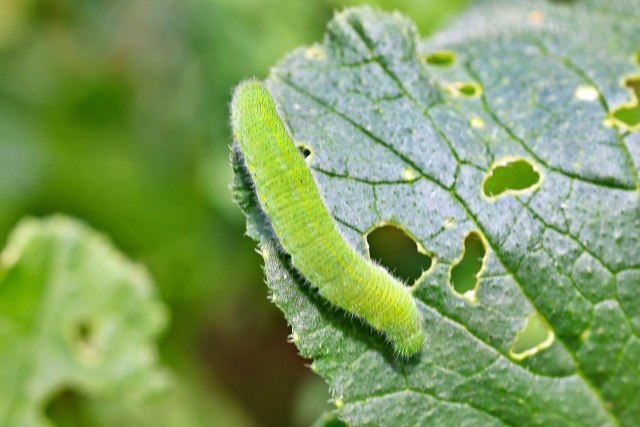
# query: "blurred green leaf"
[[402, 140], [74, 314], [183, 403]]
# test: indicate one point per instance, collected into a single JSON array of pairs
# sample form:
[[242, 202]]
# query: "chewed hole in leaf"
[[511, 176], [84, 332], [84, 336], [534, 337], [306, 152], [65, 408], [440, 59], [464, 89], [627, 115], [399, 253], [465, 273]]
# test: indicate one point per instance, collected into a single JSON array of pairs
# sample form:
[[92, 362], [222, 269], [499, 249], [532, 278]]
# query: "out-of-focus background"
[[116, 112]]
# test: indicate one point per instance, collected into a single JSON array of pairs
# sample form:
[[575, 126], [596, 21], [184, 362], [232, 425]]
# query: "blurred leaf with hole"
[[73, 314]]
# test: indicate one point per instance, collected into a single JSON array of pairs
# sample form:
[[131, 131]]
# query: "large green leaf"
[[401, 136], [74, 314]]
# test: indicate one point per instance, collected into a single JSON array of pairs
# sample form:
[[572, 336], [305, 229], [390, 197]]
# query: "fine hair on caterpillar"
[[288, 195]]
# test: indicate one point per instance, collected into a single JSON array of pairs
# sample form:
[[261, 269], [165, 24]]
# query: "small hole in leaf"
[[440, 59], [464, 89], [305, 152], [465, 273], [633, 83], [510, 175], [84, 330], [66, 409], [399, 253], [534, 337], [628, 115], [468, 90], [84, 336]]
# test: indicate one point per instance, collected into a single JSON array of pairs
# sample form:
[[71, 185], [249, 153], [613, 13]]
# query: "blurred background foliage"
[[115, 112]]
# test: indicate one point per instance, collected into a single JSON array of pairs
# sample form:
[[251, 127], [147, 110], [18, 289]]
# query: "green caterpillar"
[[288, 194]]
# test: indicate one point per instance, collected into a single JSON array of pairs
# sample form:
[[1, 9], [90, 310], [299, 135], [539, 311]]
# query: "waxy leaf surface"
[[400, 136]]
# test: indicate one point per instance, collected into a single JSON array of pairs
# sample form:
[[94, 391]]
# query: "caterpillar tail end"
[[411, 344]]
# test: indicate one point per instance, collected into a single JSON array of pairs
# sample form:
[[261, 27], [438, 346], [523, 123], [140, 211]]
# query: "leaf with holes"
[[507, 150], [74, 314]]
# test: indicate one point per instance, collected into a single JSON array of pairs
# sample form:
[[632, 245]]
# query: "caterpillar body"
[[288, 194]]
